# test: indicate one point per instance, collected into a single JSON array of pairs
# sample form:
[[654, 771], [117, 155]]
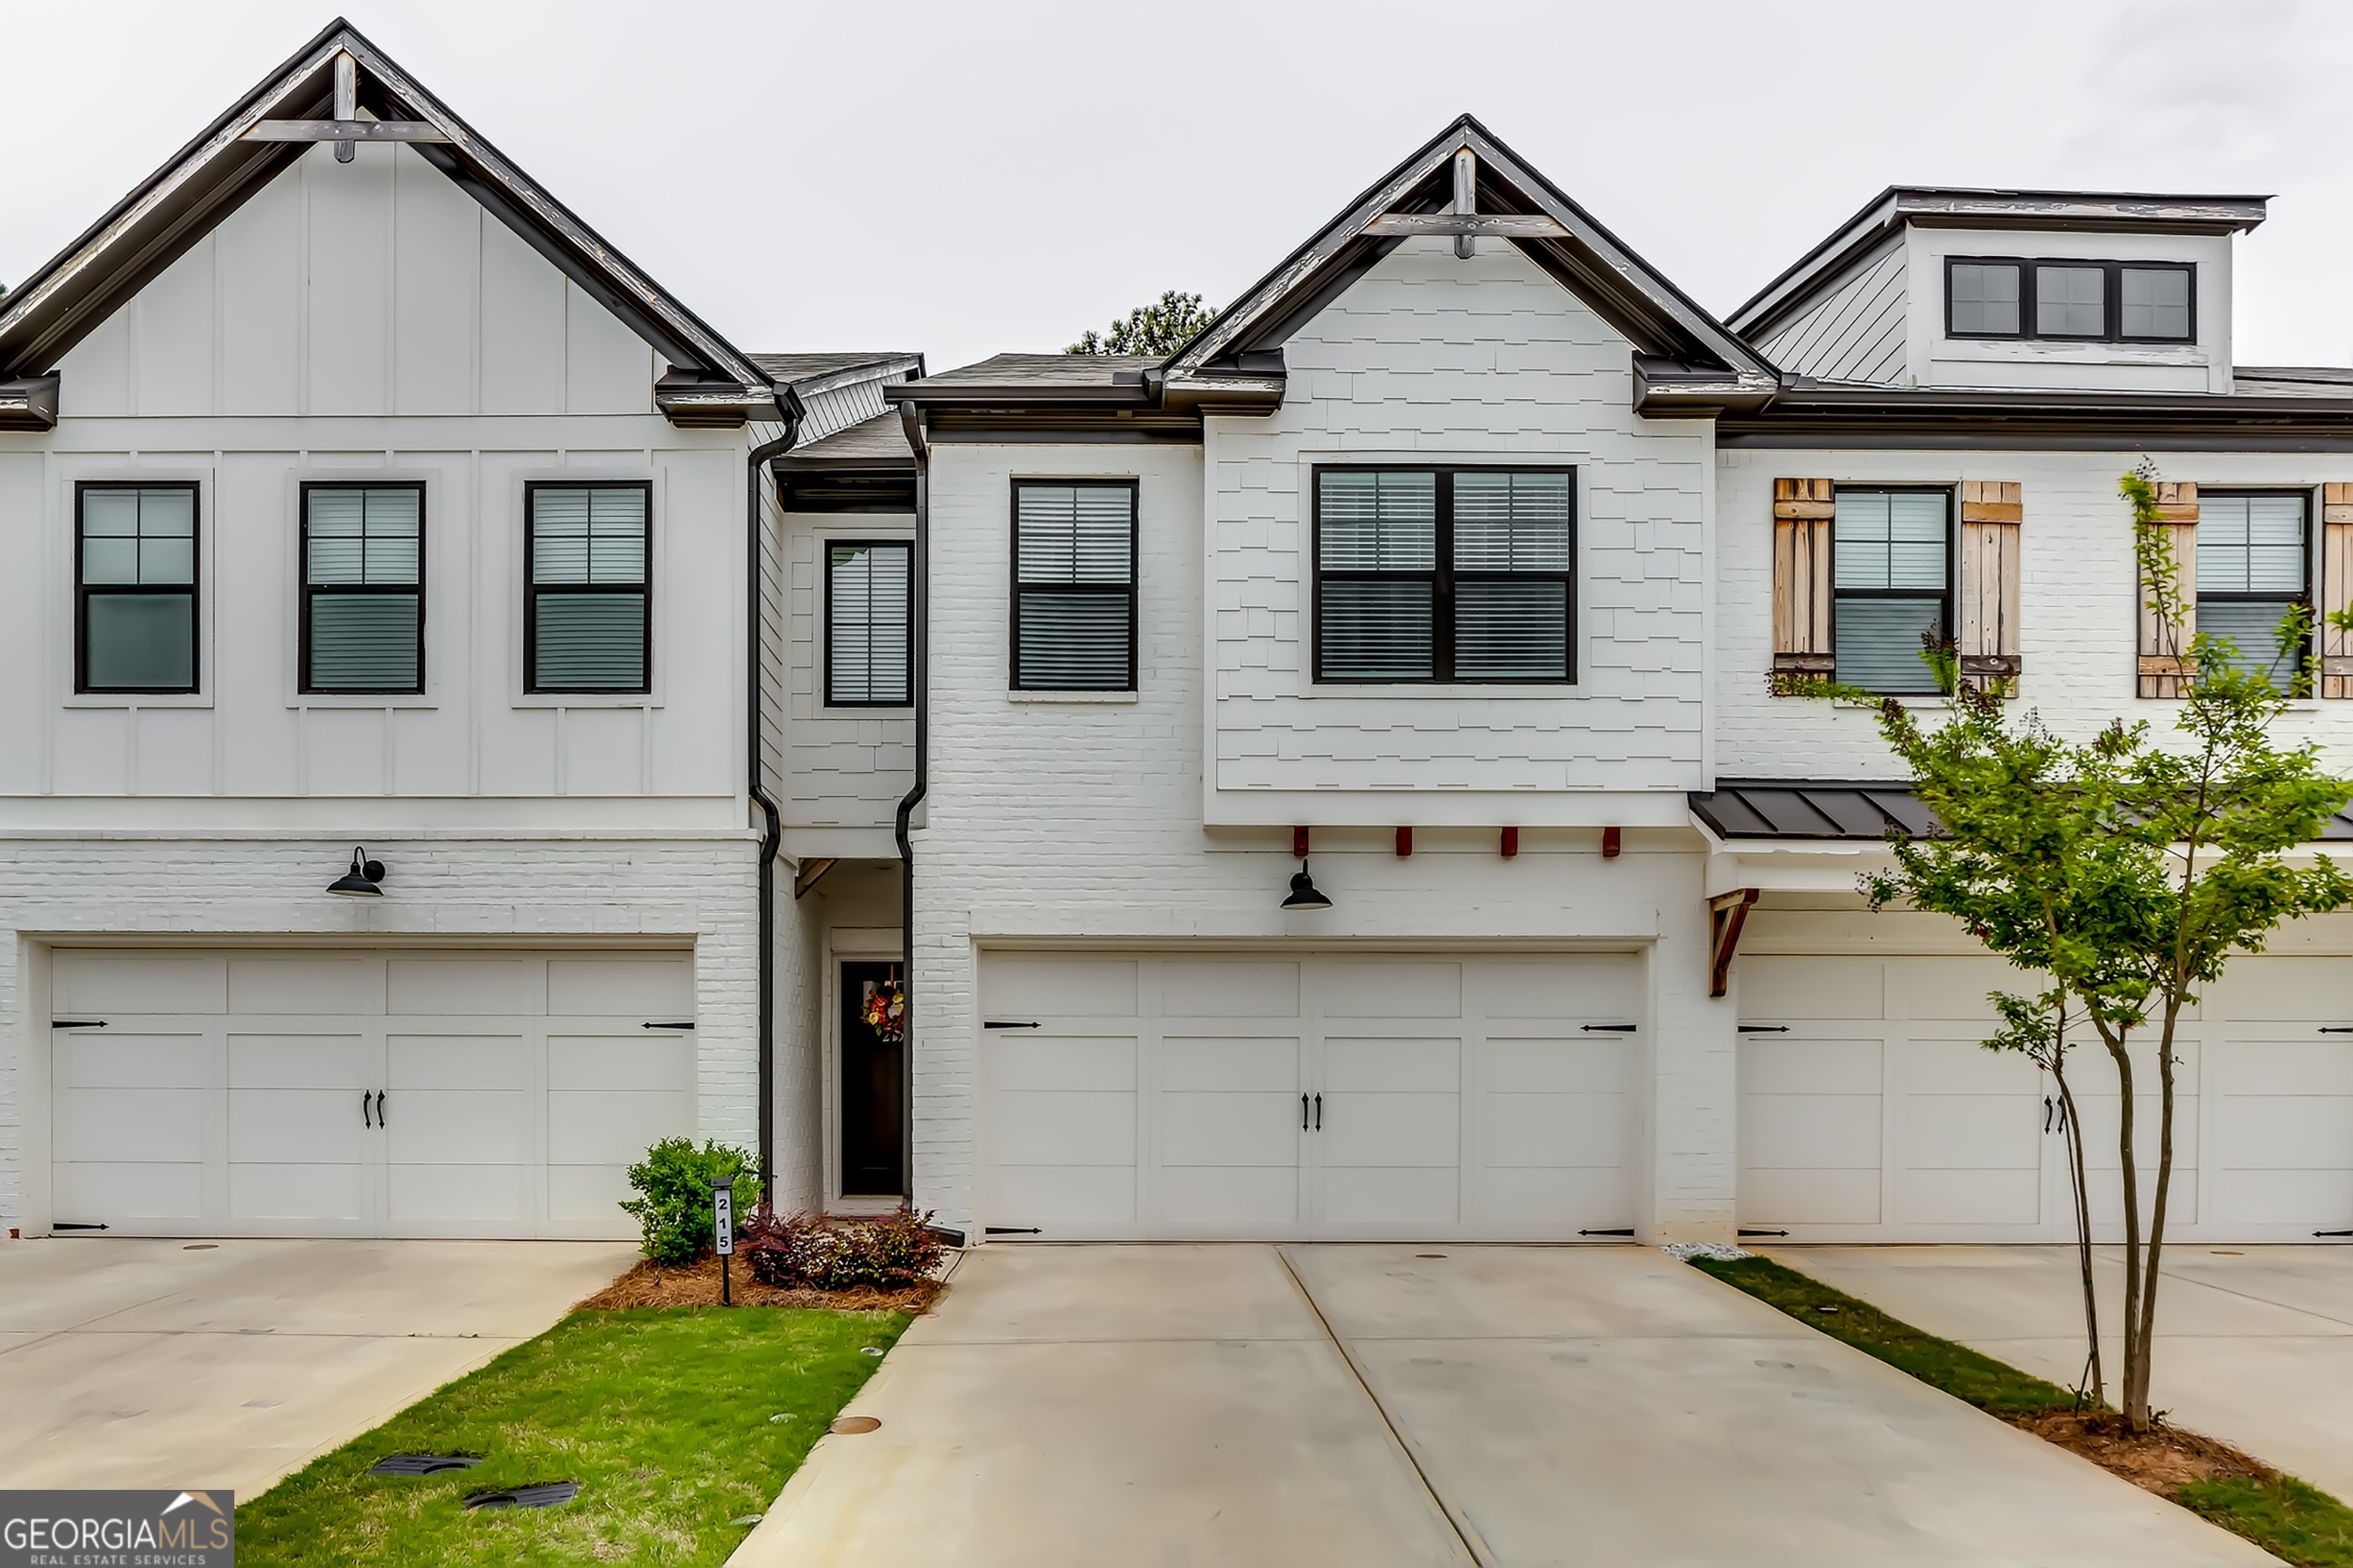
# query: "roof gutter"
[[911, 418], [773, 831]]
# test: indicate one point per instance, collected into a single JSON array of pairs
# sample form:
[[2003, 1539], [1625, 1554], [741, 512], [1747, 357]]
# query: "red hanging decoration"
[[886, 1009]]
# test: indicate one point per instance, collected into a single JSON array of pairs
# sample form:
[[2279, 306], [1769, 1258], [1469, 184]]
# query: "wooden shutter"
[[2165, 669], [1802, 516], [2336, 588], [1987, 641]]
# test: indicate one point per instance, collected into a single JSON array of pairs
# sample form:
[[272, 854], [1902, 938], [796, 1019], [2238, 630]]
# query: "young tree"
[[2126, 870], [1162, 326]]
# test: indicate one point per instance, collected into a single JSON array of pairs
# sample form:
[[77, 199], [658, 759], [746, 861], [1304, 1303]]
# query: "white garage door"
[[1398, 1097], [1871, 1111], [363, 1094]]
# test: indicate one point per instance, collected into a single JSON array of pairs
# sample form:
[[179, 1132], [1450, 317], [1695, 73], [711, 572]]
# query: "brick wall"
[[261, 890]]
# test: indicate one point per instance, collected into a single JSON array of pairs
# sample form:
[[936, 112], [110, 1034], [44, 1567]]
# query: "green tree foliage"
[[2125, 871], [673, 1203], [1162, 326]]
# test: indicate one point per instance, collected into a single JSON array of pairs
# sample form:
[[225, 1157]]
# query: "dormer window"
[[2069, 301]]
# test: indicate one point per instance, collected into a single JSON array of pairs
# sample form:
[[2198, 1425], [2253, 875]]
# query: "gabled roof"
[[215, 174], [1955, 207], [1684, 355], [811, 373]]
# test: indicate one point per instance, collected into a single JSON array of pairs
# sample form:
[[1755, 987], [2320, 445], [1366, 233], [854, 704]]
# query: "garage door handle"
[[2324, 1029], [689, 1024], [1607, 1029], [995, 1024], [380, 1109], [101, 1023], [1762, 1029], [363, 1109], [1303, 1113], [1318, 1112]]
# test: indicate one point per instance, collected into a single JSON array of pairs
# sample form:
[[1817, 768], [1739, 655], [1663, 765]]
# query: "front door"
[[872, 1080]]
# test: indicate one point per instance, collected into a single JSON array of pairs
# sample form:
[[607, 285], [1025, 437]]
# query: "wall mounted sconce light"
[[1304, 894], [360, 881]]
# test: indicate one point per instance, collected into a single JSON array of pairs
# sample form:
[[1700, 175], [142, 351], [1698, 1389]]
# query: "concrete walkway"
[[164, 1363], [1179, 1406], [2254, 1344]]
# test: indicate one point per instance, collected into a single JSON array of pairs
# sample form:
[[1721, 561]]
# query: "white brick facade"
[[255, 890]]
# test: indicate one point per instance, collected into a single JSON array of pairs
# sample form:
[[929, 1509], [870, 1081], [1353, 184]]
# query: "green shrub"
[[673, 1205]]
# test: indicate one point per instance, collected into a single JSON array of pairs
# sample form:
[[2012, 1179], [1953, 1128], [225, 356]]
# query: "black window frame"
[[1443, 577], [1017, 588], [532, 589], [193, 588], [824, 674], [2112, 306], [308, 589], [1947, 617], [2302, 595]]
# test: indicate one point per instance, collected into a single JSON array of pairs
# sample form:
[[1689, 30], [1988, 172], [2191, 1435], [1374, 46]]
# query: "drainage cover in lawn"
[[547, 1494], [661, 1419], [421, 1464]]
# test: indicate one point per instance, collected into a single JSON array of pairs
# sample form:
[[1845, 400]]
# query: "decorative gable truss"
[[341, 89], [1465, 184]]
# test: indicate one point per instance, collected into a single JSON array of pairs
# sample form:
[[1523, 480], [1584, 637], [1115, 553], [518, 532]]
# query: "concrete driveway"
[[2254, 1344], [1179, 1406], [168, 1363]]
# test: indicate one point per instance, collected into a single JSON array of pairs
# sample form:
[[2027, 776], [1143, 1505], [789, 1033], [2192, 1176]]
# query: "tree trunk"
[[2138, 1373], [2135, 1352], [2094, 1385]]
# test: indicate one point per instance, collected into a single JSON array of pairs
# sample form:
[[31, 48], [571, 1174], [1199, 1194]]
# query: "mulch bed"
[[2161, 1460], [698, 1285]]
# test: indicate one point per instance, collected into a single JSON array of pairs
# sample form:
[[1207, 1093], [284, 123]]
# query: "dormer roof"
[[1957, 207], [709, 382]]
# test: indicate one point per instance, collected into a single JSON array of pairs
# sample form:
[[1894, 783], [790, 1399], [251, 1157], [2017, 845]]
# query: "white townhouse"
[[370, 526], [1351, 801], [461, 720]]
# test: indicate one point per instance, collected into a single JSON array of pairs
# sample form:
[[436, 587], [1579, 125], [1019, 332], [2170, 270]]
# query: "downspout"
[[911, 421], [772, 834]]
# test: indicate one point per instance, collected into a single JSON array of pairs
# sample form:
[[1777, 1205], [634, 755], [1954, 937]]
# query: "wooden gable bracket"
[[1727, 913], [812, 872], [346, 129], [1467, 222]]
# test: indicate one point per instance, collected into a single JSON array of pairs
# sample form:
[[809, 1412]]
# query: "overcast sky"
[[966, 178]]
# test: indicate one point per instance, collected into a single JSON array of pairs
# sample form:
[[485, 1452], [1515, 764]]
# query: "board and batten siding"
[[360, 322], [1431, 358], [1855, 332], [372, 287]]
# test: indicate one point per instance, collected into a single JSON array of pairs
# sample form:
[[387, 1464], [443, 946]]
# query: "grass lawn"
[[2287, 1518], [663, 1415]]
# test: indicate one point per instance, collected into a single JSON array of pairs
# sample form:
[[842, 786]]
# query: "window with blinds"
[[362, 589], [2254, 562], [1452, 574], [1074, 586], [870, 622], [588, 597], [135, 588], [1891, 585]]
